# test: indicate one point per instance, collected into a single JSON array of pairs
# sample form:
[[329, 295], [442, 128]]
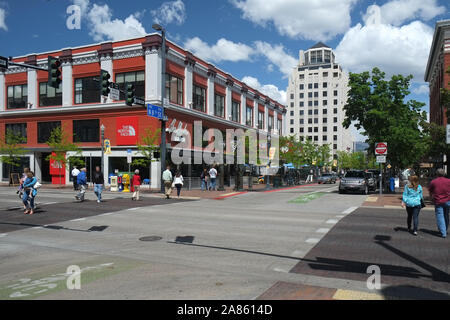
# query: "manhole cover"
[[150, 238]]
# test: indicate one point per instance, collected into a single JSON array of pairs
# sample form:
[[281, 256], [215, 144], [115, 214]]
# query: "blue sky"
[[254, 40]]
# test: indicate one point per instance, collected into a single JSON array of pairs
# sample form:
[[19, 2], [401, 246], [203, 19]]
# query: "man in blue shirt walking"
[[82, 184]]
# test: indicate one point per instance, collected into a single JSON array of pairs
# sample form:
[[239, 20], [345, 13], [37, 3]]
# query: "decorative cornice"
[[244, 89], [128, 54], [189, 60], [85, 59], [31, 60], [229, 81], [106, 51], [212, 72], [66, 56], [151, 42]]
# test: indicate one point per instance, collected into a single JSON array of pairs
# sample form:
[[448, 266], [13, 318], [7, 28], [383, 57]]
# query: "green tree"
[[11, 150], [378, 107], [147, 148], [291, 150], [324, 155], [60, 144]]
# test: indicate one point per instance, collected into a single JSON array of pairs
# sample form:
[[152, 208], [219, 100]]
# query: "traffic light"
[[130, 94], [105, 83], [54, 75]]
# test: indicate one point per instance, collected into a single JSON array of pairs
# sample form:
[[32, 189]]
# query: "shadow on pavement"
[[412, 293]]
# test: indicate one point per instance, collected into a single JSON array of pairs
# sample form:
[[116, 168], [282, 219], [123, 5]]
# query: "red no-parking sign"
[[381, 148]]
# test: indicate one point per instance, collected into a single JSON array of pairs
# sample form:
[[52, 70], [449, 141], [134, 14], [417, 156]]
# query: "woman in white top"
[[178, 182]]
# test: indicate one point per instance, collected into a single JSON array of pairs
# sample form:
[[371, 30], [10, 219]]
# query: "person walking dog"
[[136, 185], [82, 184], [413, 199], [440, 193]]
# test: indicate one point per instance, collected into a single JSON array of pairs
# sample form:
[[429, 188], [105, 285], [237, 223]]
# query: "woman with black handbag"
[[413, 200]]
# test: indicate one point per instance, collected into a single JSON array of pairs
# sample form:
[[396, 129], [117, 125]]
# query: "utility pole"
[[158, 27]]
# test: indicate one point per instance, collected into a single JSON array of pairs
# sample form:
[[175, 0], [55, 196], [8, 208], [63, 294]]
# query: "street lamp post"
[[102, 129], [158, 27], [269, 141]]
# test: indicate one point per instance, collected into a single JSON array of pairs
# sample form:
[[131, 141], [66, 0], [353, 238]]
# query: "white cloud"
[[268, 89], [102, 25], [277, 56], [421, 89], [2, 20], [315, 20], [226, 50], [395, 50], [397, 12], [170, 12], [223, 50]]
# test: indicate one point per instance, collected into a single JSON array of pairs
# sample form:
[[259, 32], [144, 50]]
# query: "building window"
[[309, 121], [302, 121], [334, 146], [87, 90], [292, 121], [18, 129], [301, 130], [324, 85], [325, 74], [17, 96], [316, 85], [324, 129], [45, 129], [327, 58], [316, 103], [310, 85], [302, 112], [335, 102], [137, 78], [301, 104], [302, 76], [316, 120], [316, 112], [316, 138], [324, 93], [199, 98], [324, 138], [309, 103], [325, 102], [335, 74], [335, 128], [292, 96], [302, 86], [271, 123], [174, 89], [335, 110], [249, 116], [302, 139], [219, 105], [292, 104], [310, 112], [324, 120], [335, 92], [324, 111], [292, 113], [309, 130], [235, 111], [49, 96], [310, 94], [316, 94], [292, 130], [335, 138], [335, 120], [280, 126], [302, 95], [260, 120], [86, 130], [316, 129]]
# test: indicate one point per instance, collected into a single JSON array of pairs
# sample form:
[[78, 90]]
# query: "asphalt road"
[[235, 248]]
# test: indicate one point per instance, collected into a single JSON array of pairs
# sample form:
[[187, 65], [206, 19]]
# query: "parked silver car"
[[354, 181], [327, 178]]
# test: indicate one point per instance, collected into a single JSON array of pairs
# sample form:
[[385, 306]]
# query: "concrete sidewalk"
[[394, 200]]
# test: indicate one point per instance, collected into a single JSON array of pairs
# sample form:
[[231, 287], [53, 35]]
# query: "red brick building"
[[195, 90]]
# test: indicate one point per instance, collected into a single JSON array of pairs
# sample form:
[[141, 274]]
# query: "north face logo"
[[127, 131]]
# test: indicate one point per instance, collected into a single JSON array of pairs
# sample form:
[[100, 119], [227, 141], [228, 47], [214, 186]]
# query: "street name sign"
[[381, 148], [381, 159], [155, 111], [114, 94], [3, 62], [139, 101], [129, 156]]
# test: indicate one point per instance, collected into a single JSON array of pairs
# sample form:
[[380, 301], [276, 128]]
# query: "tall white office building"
[[316, 96]]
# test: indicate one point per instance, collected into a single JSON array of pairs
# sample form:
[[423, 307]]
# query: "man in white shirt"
[[75, 173], [167, 181], [212, 178]]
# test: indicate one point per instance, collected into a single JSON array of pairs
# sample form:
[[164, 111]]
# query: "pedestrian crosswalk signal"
[[105, 83], [130, 94], [54, 74]]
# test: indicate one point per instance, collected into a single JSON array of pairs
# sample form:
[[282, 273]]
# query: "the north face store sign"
[[127, 131]]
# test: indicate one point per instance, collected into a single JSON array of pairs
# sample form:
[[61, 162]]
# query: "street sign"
[[129, 156], [448, 134], [3, 62], [107, 146], [139, 101], [155, 111], [114, 94], [381, 148], [381, 159]]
